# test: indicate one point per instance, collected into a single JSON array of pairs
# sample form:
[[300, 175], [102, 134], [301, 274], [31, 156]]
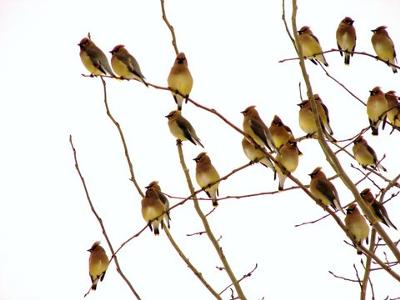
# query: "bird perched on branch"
[[393, 113], [378, 209], [153, 209], [180, 81], [125, 65], [310, 45], [288, 156], [356, 225], [98, 264], [255, 154], [306, 118], [346, 38], [181, 128], [156, 187], [322, 189], [93, 58], [383, 46], [256, 128], [206, 176], [377, 107], [365, 155], [280, 133]]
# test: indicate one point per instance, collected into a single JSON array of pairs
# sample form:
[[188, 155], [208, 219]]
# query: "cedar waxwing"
[[356, 225], [346, 38], [93, 58], [306, 118], [255, 154], [288, 156], [383, 46], [154, 185], [377, 107], [322, 189], [280, 133], [377, 207], [206, 174], [256, 128], [181, 128], [180, 80], [365, 155], [98, 263], [310, 45], [153, 209], [393, 114], [125, 65]]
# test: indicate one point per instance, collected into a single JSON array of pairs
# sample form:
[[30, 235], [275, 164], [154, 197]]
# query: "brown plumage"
[[393, 113], [356, 225], [280, 133], [98, 263], [254, 153], [156, 187], [181, 128], [206, 174], [365, 155], [153, 209], [310, 45], [288, 156], [346, 38], [377, 107], [378, 209], [383, 46]]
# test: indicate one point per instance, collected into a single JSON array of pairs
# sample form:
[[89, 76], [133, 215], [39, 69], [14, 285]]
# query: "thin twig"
[[248, 274], [170, 27]]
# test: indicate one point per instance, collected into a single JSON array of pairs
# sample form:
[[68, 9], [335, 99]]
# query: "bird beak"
[[299, 104], [373, 30], [242, 112], [89, 250]]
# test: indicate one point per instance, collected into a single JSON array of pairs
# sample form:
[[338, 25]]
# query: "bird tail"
[[394, 69], [178, 100], [374, 129], [347, 58], [282, 178]]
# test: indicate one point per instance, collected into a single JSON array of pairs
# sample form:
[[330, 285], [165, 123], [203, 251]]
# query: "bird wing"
[[258, 127], [134, 66], [186, 128], [328, 190]]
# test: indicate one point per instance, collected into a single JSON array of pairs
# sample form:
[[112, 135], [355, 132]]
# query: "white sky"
[[233, 48]]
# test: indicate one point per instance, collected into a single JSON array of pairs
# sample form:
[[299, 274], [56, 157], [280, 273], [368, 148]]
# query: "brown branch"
[[121, 134], [118, 267], [248, 274], [344, 278], [367, 269], [190, 265], [170, 27]]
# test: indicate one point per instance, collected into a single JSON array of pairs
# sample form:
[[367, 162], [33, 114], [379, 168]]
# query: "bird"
[[377, 107], [206, 174], [288, 157], [256, 128], [383, 46], [98, 263], [310, 45], [356, 225], [181, 128], [378, 209], [255, 154], [94, 59], [155, 186], [346, 38], [322, 189], [153, 209], [307, 121], [125, 65], [393, 113], [180, 81], [280, 133], [365, 155]]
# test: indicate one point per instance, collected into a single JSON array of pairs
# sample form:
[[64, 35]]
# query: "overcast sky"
[[233, 49]]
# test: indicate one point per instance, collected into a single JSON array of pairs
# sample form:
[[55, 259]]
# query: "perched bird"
[[206, 174], [181, 128], [288, 156], [393, 113], [125, 65], [155, 186], [256, 128], [379, 210], [383, 46], [98, 263], [365, 155], [310, 45], [322, 189], [377, 107], [180, 80], [356, 225], [153, 209], [280, 133], [346, 38], [93, 58], [306, 118], [255, 154]]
